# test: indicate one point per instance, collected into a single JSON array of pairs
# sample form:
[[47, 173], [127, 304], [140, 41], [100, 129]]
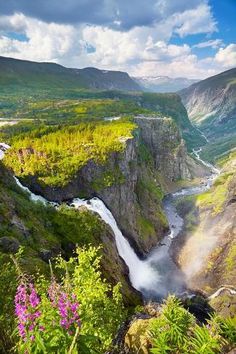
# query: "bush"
[[79, 313], [176, 331]]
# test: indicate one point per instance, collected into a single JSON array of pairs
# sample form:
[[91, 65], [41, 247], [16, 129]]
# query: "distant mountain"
[[15, 72], [163, 83], [211, 103]]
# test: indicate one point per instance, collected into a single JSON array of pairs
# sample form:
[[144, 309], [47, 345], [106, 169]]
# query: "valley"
[[128, 174]]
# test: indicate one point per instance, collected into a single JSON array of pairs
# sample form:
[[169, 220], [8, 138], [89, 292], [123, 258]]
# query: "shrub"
[[81, 312]]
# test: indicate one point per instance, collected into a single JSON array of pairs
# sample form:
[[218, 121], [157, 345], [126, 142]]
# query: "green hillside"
[[15, 74]]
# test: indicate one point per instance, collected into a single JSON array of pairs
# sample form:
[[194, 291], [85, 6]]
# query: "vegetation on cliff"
[[55, 154], [171, 328]]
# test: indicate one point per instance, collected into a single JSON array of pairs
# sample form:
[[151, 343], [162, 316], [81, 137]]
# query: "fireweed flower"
[[66, 305], [53, 292], [26, 303], [68, 310]]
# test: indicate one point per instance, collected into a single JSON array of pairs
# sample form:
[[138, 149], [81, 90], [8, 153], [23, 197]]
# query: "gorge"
[[156, 275], [120, 201]]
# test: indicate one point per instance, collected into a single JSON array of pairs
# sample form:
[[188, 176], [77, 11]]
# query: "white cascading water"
[[157, 275], [140, 273]]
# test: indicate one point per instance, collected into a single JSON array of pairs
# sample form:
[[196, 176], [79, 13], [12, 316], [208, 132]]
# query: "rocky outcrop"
[[168, 150], [130, 183]]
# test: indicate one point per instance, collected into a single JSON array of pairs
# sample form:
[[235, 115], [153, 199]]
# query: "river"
[[157, 275]]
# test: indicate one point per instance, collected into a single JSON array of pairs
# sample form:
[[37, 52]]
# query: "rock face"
[[130, 182], [168, 150], [211, 103]]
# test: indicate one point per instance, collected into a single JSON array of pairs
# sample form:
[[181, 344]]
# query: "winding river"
[[157, 275]]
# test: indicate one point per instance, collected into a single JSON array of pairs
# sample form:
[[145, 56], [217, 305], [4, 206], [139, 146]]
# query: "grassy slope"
[[56, 105], [16, 74]]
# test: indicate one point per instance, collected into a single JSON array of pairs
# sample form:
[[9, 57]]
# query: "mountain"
[[163, 83], [15, 73], [211, 103]]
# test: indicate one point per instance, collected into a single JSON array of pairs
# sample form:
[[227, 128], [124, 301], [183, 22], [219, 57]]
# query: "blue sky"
[[194, 38]]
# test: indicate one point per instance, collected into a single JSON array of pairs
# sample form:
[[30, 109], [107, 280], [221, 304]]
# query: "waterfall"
[[33, 197], [140, 273], [157, 275]]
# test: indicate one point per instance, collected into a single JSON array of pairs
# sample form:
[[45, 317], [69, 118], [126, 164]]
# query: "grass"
[[218, 149], [55, 154], [231, 259], [146, 228]]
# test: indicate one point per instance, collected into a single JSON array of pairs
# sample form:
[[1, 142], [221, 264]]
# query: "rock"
[[15, 221], [46, 255], [199, 307], [9, 244], [233, 351], [163, 139]]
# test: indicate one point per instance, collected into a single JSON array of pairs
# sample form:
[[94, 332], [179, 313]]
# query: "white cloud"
[[213, 43], [226, 56], [143, 50], [194, 21], [46, 42], [182, 66]]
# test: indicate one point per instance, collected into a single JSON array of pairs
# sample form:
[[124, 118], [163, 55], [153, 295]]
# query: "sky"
[[176, 38]]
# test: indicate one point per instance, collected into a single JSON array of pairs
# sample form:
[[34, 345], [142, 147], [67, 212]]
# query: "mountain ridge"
[[212, 99], [32, 74]]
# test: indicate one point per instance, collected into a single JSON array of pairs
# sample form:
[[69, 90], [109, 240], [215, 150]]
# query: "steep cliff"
[[167, 148], [131, 182]]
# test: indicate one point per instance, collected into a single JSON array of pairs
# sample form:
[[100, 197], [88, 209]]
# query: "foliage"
[[80, 313], [8, 284], [176, 331], [170, 330], [55, 155], [37, 226], [72, 106], [62, 110]]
